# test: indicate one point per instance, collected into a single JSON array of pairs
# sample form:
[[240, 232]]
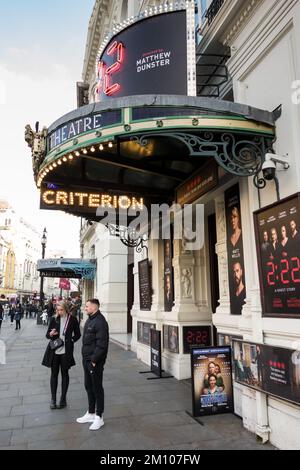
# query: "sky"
[[42, 46]]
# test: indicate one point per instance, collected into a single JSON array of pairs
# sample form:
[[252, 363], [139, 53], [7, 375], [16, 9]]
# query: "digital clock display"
[[196, 336], [278, 244], [287, 272], [148, 57]]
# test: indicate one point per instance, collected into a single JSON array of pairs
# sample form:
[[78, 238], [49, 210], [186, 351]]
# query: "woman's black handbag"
[[56, 344]]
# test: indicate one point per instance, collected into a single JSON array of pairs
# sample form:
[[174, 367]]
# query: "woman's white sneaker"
[[87, 418], [97, 424]]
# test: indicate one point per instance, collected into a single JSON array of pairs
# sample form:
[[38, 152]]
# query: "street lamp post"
[[39, 315]]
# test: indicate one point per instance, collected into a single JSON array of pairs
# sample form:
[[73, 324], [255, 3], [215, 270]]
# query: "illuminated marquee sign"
[[86, 201], [148, 57]]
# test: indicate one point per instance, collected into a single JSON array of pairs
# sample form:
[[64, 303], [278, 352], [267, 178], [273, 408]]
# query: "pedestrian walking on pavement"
[[45, 317], [18, 316], [1, 314], [5, 312], [26, 310], [94, 352], [50, 309], [66, 327], [12, 310]]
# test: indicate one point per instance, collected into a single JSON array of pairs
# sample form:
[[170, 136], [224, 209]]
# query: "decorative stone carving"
[[37, 142], [241, 19], [176, 283], [221, 224], [223, 275], [186, 283]]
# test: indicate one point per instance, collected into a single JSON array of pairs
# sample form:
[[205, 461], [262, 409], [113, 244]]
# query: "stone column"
[[113, 266], [221, 250]]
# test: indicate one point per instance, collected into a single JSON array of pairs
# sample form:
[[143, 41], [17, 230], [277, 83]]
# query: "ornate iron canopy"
[[239, 154], [145, 146]]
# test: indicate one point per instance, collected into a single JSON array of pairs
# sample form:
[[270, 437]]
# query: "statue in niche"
[[186, 282]]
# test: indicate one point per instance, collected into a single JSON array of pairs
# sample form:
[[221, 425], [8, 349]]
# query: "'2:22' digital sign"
[[106, 73], [148, 57]]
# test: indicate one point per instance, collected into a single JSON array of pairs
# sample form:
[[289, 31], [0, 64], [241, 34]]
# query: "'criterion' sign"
[[88, 201]]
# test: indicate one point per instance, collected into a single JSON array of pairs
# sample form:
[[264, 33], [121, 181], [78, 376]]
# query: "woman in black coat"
[[64, 326]]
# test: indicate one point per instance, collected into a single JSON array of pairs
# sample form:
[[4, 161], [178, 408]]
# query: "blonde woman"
[[64, 326]]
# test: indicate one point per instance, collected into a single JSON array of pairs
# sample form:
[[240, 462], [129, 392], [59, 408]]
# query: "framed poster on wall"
[[143, 332], [168, 275], [145, 288], [225, 339], [236, 269], [269, 369], [278, 253], [171, 338]]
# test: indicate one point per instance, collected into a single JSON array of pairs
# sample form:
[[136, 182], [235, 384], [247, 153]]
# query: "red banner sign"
[[64, 284]]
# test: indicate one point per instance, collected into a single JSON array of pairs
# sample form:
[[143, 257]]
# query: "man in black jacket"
[[94, 351]]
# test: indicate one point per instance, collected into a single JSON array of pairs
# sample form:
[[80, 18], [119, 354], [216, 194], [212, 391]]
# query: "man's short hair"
[[94, 301]]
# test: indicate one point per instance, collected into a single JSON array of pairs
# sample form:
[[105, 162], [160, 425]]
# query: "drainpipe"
[[262, 429], [262, 419]]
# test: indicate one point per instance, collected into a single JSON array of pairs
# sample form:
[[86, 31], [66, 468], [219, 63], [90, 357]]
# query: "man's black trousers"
[[93, 377]]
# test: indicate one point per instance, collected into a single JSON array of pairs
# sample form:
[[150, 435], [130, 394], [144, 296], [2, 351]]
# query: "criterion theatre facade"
[[155, 133]]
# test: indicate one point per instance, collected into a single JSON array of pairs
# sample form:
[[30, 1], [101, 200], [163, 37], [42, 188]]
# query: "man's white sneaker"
[[97, 424], [87, 418]]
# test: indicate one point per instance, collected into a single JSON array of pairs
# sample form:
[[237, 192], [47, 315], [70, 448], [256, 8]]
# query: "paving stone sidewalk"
[[139, 414]]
